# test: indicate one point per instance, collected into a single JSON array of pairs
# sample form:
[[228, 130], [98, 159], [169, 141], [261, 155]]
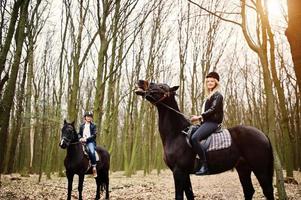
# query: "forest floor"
[[225, 186]]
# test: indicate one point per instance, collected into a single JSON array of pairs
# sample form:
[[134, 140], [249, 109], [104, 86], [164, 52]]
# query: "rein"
[[176, 111], [162, 98], [69, 140], [72, 143], [167, 94]]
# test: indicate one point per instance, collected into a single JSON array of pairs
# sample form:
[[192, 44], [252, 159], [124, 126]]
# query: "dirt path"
[[218, 187]]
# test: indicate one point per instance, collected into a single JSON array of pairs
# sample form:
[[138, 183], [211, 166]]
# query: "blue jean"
[[91, 146], [205, 130]]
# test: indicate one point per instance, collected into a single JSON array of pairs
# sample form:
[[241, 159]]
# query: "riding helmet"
[[88, 113], [213, 75]]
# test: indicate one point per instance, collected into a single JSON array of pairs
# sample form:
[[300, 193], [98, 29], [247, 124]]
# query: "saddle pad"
[[97, 156], [220, 140]]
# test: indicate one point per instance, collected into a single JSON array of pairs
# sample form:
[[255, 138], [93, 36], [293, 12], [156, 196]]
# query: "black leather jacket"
[[92, 138], [214, 109]]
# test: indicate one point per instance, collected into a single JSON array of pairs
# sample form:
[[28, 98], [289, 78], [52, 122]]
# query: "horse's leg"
[[244, 173], [70, 181], [98, 184], [179, 179], [107, 184], [81, 178], [188, 188], [266, 185], [264, 175]]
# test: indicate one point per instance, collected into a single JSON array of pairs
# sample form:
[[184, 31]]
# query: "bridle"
[[160, 101], [148, 92], [165, 95], [67, 140]]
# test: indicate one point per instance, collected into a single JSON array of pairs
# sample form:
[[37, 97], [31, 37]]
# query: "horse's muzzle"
[[140, 91], [63, 144]]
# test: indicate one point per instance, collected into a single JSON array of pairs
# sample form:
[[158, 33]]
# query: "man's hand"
[[83, 140]]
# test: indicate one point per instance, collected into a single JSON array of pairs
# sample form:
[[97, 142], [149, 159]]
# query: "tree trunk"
[[111, 91], [64, 29], [3, 10], [44, 114], [262, 53], [288, 150], [293, 33], [9, 92], [297, 122], [36, 127], [25, 146], [16, 128], [133, 115], [77, 61], [10, 34], [102, 62], [183, 39]]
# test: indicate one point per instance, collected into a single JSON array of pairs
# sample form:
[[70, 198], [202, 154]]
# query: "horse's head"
[[68, 134], [153, 92]]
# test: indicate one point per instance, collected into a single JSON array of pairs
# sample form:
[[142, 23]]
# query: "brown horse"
[[250, 151], [76, 162]]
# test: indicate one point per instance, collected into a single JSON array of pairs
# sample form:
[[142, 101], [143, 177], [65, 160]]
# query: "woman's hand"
[[195, 118], [83, 140]]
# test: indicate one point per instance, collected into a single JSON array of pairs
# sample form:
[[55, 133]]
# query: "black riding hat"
[[88, 113], [213, 75]]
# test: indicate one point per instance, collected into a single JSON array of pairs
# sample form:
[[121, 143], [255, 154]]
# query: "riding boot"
[[204, 169], [94, 171]]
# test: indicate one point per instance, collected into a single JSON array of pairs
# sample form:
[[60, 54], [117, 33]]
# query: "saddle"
[[86, 150], [220, 139]]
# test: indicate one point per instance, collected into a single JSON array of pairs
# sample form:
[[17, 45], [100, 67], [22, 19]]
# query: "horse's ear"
[[72, 123], [174, 88], [65, 122], [146, 84]]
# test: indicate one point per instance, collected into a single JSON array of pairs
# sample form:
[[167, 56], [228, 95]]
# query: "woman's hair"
[[207, 92]]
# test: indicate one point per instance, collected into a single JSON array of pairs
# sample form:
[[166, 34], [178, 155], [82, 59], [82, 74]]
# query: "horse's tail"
[[271, 163]]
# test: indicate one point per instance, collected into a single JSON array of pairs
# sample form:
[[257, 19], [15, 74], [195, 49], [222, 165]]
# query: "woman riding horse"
[[87, 132], [250, 149], [212, 115], [76, 162]]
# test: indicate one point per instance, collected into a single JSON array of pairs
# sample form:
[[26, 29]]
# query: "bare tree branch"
[[251, 44], [214, 14]]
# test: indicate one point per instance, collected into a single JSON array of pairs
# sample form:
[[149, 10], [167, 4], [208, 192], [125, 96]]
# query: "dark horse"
[[250, 151], [76, 162]]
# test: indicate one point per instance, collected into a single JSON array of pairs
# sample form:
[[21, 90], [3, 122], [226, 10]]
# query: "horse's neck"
[[75, 151], [170, 122]]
